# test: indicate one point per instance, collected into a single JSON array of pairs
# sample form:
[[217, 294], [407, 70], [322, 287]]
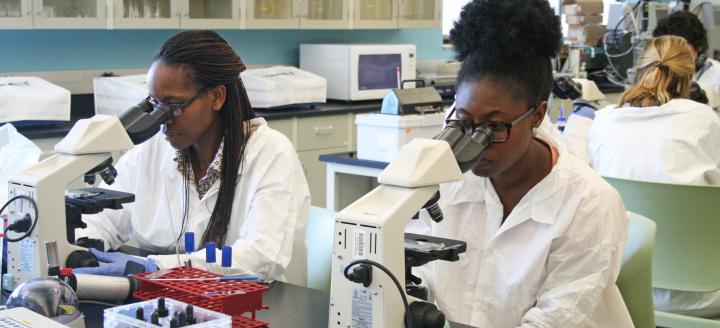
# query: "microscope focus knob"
[[426, 315]]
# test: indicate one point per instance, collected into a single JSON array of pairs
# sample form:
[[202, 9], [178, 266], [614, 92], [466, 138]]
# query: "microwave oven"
[[360, 71]]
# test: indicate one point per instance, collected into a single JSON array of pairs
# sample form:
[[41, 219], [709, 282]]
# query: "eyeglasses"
[[501, 130], [176, 109]]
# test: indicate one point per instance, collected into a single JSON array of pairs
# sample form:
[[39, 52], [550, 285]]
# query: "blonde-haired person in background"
[[656, 133]]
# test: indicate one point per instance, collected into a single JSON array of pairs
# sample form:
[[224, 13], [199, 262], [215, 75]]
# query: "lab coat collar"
[[541, 204]]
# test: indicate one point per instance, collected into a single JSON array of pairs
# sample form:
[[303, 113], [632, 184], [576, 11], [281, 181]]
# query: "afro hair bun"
[[502, 28]]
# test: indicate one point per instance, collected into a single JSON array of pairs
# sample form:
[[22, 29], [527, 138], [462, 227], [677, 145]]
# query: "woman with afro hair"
[[545, 234]]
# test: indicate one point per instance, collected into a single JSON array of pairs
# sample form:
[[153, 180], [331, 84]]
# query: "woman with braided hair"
[[216, 170], [545, 234]]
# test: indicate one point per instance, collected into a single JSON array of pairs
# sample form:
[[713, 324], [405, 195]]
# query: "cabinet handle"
[[186, 15], [323, 130]]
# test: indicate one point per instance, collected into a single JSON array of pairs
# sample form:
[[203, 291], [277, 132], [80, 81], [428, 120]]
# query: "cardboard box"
[[589, 35], [582, 20], [590, 8]]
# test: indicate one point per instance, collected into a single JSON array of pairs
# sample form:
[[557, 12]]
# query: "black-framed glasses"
[[501, 130], [176, 109]]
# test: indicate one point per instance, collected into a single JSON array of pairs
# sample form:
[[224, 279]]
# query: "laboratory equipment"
[[226, 261], [370, 259], [210, 257], [236, 298], [625, 43], [412, 101], [115, 94], [50, 297], [380, 136], [28, 98], [708, 11], [359, 71], [41, 210], [163, 310], [24, 318], [582, 92], [283, 86]]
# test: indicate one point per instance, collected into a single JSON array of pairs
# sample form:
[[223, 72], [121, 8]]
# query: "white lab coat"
[[709, 79], [269, 212], [553, 263], [678, 142]]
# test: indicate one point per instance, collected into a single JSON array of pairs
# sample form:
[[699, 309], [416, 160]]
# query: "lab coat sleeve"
[[582, 264], [279, 206], [575, 136], [114, 227]]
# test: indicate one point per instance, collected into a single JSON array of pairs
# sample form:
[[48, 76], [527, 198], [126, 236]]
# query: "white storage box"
[[124, 316], [380, 136], [28, 98], [280, 86], [114, 95]]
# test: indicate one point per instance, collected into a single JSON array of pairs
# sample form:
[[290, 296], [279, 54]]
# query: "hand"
[[116, 262], [585, 111]]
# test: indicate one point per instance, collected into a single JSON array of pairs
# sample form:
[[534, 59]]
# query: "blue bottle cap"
[[226, 256], [189, 242], [562, 113], [210, 252]]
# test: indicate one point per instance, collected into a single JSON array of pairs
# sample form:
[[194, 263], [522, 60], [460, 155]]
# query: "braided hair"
[[211, 62]]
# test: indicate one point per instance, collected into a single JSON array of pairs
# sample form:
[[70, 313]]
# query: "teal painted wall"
[[51, 50]]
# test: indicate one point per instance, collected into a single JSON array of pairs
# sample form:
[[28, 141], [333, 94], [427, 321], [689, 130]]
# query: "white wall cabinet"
[[16, 14], [75, 14], [145, 14], [374, 14], [186, 14], [291, 14], [220, 14]]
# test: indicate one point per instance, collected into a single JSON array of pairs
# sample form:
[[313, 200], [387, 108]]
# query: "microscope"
[[42, 211], [373, 256]]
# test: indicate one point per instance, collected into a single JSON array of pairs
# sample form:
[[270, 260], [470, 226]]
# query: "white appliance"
[[115, 94], [283, 86], [380, 136], [360, 71], [29, 98]]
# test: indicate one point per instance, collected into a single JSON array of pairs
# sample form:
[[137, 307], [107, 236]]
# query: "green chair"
[[635, 276], [687, 243], [320, 231]]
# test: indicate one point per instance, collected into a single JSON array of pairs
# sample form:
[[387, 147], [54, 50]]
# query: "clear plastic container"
[[125, 316]]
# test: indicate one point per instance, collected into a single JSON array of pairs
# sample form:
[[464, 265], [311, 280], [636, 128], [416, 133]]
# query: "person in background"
[[656, 133], [545, 234], [707, 70], [217, 170]]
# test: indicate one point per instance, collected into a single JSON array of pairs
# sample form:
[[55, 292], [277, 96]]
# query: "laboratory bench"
[[290, 306]]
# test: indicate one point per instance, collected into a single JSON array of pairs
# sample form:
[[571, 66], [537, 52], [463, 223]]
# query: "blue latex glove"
[[585, 111], [116, 262]]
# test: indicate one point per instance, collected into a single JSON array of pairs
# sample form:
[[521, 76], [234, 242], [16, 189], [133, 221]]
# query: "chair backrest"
[[687, 243], [320, 231], [635, 279]]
